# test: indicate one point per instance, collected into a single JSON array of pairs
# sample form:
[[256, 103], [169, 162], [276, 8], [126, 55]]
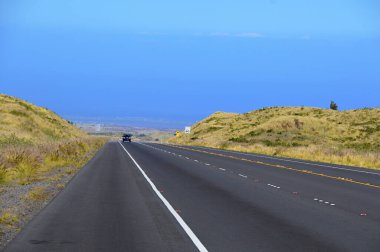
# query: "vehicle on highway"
[[127, 138]]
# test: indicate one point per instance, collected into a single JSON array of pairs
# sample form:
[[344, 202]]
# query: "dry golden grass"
[[34, 140], [61, 186], [28, 163], [22, 123], [8, 219], [38, 193], [344, 137]]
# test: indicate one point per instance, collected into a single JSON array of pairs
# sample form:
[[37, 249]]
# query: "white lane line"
[[187, 158], [222, 169], [289, 160], [179, 219], [207, 164], [243, 176], [324, 202], [274, 186], [196, 160]]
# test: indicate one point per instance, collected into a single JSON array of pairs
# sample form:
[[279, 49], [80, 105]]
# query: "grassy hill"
[[39, 153], [345, 137], [23, 122], [34, 140]]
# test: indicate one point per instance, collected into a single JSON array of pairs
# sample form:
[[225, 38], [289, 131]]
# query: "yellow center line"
[[283, 167]]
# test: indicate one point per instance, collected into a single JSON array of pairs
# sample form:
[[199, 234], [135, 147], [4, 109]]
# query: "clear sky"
[[170, 63]]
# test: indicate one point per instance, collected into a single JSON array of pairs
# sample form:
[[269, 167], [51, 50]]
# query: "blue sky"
[[170, 63]]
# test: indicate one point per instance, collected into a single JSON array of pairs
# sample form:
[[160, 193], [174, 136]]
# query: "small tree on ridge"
[[333, 105]]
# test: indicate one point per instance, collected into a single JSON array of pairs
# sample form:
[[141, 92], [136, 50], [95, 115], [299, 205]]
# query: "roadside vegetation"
[[25, 164], [39, 153], [343, 137]]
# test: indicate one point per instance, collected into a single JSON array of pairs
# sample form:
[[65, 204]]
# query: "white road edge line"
[[181, 222]]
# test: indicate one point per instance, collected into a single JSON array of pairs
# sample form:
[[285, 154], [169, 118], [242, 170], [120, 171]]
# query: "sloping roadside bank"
[[349, 137], [32, 175]]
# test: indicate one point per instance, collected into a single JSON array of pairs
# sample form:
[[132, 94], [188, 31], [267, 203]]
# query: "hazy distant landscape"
[[116, 131]]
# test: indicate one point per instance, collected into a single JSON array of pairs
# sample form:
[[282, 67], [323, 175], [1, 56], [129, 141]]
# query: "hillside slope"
[[346, 137], [25, 122], [39, 153]]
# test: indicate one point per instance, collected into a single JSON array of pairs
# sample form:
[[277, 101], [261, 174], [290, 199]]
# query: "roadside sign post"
[[187, 130]]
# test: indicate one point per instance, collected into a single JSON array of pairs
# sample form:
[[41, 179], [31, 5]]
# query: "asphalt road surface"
[[155, 197]]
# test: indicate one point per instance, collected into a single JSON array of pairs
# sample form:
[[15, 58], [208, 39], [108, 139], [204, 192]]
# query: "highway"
[[156, 197]]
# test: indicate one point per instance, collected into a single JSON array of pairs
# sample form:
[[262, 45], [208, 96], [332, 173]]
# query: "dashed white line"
[[288, 160], [222, 169], [274, 186], [324, 202]]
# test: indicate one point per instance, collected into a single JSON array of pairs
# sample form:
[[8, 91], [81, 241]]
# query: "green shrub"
[[269, 143], [255, 132], [18, 113], [211, 129], [209, 120], [240, 139]]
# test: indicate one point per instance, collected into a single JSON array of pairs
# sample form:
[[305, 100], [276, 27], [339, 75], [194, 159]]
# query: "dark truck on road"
[[127, 138]]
